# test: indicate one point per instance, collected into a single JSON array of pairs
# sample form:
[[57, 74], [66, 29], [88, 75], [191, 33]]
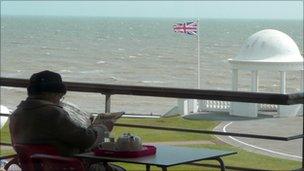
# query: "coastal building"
[[267, 50]]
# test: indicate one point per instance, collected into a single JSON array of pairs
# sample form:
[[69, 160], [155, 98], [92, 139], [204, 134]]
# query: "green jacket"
[[41, 122]]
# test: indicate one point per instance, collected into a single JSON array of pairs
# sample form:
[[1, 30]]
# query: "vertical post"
[[147, 167], [254, 88], [302, 90], [281, 108], [186, 107], [234, 88], [302, 81], [195, 101], [283, 82], [254, 81], [198, 57], [234, 79], [108, 103], [195, 105]]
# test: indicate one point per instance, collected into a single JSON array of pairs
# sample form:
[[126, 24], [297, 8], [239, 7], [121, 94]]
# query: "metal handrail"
[[266, 137], [111, 89]]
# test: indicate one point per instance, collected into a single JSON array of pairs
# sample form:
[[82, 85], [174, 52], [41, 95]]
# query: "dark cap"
[[46, 81]]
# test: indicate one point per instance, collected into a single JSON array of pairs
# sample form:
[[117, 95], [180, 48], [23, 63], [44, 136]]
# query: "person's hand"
[[108, 123], [107, 120]]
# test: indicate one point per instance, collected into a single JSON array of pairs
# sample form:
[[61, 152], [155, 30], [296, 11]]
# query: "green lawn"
[[5, 136], [150, 135], [242, 159]]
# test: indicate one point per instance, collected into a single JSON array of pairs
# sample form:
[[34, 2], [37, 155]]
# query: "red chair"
[[56, 163], [44, 158]]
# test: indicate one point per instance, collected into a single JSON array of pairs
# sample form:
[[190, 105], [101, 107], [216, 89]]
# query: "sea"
[[133, 51]]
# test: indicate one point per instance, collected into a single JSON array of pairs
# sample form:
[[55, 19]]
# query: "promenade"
[[263, 125]]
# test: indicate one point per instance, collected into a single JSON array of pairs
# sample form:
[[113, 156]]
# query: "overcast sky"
[[175, 9]]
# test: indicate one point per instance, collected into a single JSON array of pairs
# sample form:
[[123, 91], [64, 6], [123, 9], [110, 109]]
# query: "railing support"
[[108, 103]]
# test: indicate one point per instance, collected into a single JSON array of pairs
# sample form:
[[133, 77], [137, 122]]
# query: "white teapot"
[[128, 142]]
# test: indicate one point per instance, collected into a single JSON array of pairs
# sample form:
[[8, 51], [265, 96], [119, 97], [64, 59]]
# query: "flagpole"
[[198, 56], [195, 101]]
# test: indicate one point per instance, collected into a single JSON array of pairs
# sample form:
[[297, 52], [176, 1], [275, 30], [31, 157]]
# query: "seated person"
[[40, 120]]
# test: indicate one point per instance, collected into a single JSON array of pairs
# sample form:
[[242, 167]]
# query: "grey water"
[[132, 51]]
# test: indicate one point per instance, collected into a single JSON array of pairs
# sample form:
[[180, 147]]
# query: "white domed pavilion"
[[268, 50]]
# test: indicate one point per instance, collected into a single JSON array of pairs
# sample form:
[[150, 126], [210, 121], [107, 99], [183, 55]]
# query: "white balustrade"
[[186, 106]]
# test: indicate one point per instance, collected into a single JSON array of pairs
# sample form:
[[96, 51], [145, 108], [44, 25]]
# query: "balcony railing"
[[250, 97]]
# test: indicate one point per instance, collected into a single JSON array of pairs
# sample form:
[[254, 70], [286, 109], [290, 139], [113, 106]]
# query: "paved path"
[[269, 126]]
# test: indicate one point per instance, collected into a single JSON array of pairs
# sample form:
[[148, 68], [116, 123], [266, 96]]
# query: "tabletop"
[[167, 156]]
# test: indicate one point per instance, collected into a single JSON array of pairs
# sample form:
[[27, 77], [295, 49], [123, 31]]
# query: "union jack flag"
[[188, 28]]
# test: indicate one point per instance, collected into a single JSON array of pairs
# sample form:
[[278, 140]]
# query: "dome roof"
[[269, 46]]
